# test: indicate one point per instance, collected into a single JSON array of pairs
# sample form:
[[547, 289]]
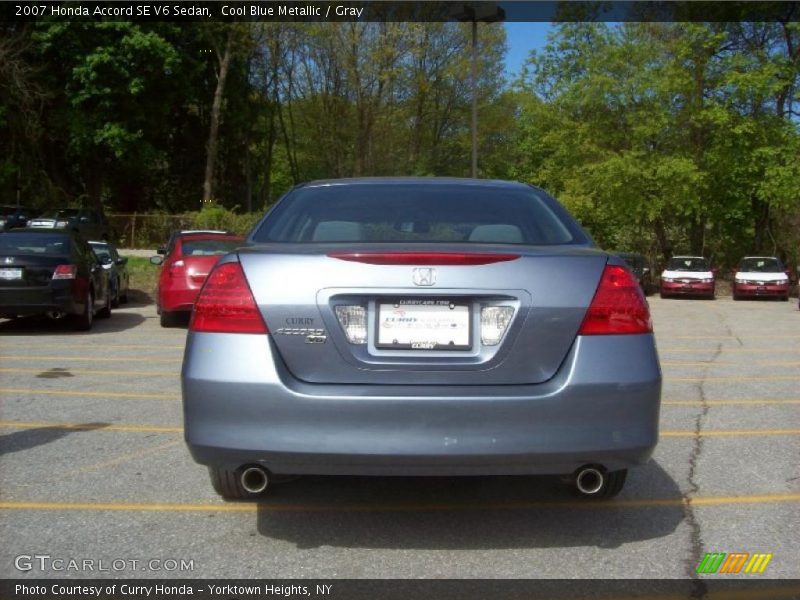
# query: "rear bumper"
[[601, 407], [178, 299], [34, 301], [741, 289], [687, 289]]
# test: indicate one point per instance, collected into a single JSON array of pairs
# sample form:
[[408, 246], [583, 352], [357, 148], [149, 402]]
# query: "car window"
[[761, 265], [64, 213], [414, 213], [101, 250], [21, 243], [687, 264], [209, 247]]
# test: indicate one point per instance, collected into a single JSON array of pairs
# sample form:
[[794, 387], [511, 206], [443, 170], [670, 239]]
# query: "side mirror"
[[156, 260], [84, 219], [122, 260], [106, 260], [162, 250]]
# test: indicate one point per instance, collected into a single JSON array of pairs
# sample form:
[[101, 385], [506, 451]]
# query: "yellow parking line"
[[162, 429], [121, 459], [731, 433], [269, 506], [708, 363], [739, 350], [99, 346], [729, 402], [92, 372], [91, 358], [88, 427], [730, 337], [82, 394], [738, 378]]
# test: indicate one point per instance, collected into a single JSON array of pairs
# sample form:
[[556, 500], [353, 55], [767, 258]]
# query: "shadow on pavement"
[[465, 512], [41, 325], [31, 438]]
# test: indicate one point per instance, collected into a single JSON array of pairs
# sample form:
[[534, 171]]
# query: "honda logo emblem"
[[424, 276]]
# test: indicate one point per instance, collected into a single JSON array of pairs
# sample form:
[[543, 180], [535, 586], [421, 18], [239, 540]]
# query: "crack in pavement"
[[699, 587]]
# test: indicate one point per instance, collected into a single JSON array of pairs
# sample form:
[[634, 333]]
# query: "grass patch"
[[143, 274]]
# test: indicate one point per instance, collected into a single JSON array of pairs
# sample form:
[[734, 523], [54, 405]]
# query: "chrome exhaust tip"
[[254, 480], [589, 480]]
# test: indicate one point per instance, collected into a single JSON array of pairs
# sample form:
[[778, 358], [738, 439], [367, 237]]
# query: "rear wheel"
[[105, 312], [83, 321], [168, 319], [615, 481], [115, 299]]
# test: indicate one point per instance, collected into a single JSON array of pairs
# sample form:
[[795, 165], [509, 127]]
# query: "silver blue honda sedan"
[[420, 326]]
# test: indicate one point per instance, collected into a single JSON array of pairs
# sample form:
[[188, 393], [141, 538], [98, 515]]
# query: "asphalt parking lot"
[[93, 466]]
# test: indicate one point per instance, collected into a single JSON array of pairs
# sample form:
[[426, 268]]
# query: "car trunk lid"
[[298, 288]]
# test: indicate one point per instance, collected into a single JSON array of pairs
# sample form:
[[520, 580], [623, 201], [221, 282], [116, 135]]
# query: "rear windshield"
[[64, 213], [208, 247], [101, 250], [761, 265], [414, 213], [687, 264], [22, 243]]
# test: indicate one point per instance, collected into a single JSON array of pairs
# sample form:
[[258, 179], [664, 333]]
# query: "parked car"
[[420, 326], [117, 267], [641, 269], [688, 276], [53, 273], [12, 216], [759, 276], [190, 255], [91, 224]]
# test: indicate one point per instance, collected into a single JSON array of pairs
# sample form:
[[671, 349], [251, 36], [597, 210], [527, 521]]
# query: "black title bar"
[[399, 11]]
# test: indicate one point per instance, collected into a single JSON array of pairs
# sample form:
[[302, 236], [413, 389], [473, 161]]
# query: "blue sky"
[[521, 39]]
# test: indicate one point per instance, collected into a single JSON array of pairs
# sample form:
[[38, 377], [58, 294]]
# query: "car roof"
[[682, 256], [761, 257], [400, 181], [42, 231]]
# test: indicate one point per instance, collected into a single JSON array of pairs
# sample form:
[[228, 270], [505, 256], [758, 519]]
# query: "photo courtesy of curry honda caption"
[[420, 326]]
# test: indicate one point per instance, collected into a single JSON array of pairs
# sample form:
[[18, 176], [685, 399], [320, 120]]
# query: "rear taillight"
[[424, 258], [618, 306], [226, 304], [65, 272], [177, 268]]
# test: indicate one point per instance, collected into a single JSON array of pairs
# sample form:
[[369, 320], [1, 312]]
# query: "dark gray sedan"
[[420, 327]]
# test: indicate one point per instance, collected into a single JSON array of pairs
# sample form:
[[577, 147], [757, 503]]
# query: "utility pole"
[[485, 12]]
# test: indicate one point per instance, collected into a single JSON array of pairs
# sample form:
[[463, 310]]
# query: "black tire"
[[123, 299], [115, 297], [168, 319], [736, 297], [615, 481], [105, 312], [662, 294], [83, 321], [785, 298], [227, 484]]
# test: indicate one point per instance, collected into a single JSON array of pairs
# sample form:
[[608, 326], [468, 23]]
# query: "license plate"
[[10, 274], [424, 324]]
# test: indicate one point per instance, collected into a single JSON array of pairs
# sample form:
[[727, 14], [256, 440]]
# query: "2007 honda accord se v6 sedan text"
[[420, 327]]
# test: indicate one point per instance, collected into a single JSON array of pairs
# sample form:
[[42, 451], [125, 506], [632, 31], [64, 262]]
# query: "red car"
[[688, 276], [759, 276], [189, 257]]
